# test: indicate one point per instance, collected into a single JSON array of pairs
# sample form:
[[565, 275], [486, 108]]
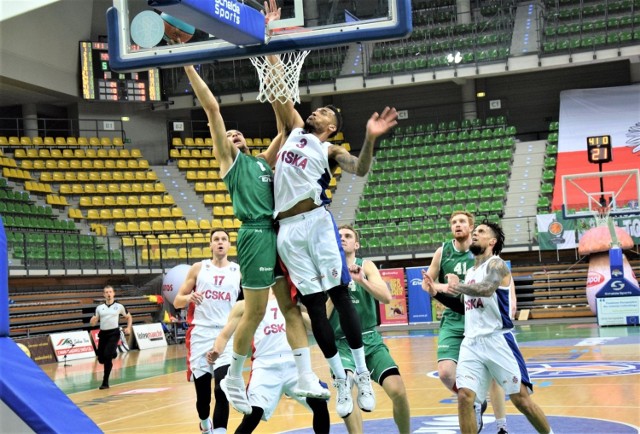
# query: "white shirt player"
[[302, 171], [220, 288], [486, 315], [270, 339]]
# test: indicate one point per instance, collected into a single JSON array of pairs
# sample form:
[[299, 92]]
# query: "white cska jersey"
[[484, 316], [270, 339], [220, 288], [302, 171]]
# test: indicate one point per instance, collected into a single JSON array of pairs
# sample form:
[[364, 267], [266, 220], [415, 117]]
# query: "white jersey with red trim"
[[220, 288], [302, 171], [486, 315], [270, 339]]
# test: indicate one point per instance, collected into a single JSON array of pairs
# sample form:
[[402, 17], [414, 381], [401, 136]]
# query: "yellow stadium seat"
[[14, 140], [176, 212], [165, 213], [117, 141], [64, 188], [237, 223], [105, 141], [199, 141], [109, 201], [156, 199], [167, 199], [25, 140], [195, 253], [105, 214], [132, 164], [169, 225], [133, 200], [145, 200], [82, 141], [227, 223], [143, 164], [145, 226], [176, 141], [132, 226], [124, 153], [120, 227], [218, 211], [205, 225], [48, 141], [37, 141], [209, 199], [195, 153], [154, 213], [136, 153], [3, 141], [102, 153], [142, 213], [192, 225], [180, 225], [71, 141], [117, 213], [208, 141], [228, 210], [26, 164], [188, 141], [129, 213], [85, 201]]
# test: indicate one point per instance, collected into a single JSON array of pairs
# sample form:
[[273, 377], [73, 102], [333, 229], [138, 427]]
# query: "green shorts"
[[257, 254], [376, 355], [450, 335]]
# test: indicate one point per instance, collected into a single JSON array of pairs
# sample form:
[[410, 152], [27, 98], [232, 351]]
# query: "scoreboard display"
[[599, 149], [100, 83]]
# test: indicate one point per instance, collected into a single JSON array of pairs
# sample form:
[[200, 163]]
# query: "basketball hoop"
[[601, 215], [279, 80]]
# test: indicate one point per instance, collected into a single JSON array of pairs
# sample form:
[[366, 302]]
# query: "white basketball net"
[[279, 80]]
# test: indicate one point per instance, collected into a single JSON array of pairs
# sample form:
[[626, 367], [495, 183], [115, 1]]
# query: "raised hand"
[[380, 124]]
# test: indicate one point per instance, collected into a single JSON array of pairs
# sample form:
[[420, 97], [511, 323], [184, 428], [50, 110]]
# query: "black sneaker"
[[103, 386], [503, 431]]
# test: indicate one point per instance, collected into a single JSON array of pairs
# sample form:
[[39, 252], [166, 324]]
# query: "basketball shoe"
[[480, 409], [344, 402], [236, 393], [366, 397], [206, 430], [309, 386]]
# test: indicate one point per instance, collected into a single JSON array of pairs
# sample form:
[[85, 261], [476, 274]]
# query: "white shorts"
[[199, 342], [273, 377], [309, 245], [485, 358]]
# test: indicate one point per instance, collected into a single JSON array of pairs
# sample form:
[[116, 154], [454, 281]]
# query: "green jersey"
[[250, 184], [455, 262], [365, 306]]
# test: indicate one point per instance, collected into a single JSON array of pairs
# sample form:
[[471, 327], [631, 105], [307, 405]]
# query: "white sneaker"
[[366, 397], [344, 403], [480, 409], [309, 386], [236, 393], [206, 431]]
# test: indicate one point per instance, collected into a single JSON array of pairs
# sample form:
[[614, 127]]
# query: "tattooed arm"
[[377, 125], [497, 275]]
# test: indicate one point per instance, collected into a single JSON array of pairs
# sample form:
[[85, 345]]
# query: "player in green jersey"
[[249, 180], [454, 257], [365, 288]]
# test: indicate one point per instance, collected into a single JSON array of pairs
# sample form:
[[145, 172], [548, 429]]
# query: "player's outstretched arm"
[[377, 125], [223, 149]]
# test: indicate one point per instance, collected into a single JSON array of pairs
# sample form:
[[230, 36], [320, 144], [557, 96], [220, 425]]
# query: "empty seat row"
[[98, 176], [83, 153], [126, 200], [84, 164], [163, 226], [180, 253], [124, 187], [60, 141], [133, 213]]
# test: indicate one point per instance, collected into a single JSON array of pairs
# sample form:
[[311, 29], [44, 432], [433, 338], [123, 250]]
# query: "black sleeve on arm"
[[453, 303]]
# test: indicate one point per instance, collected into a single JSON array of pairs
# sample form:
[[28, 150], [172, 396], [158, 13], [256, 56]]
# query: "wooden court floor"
[[586, 379]]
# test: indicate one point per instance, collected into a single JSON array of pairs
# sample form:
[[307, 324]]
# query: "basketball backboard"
[[585, 194], [305, 24]]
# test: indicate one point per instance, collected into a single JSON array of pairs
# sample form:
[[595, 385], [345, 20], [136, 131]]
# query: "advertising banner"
[[419, 300], [73, 345], [396, 311], [149, 335], [556, 233], [39, 349]]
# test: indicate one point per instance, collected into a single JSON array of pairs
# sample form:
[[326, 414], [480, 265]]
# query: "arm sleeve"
[[453, 303]]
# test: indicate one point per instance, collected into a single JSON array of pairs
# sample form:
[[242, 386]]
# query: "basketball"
[[176, 30]]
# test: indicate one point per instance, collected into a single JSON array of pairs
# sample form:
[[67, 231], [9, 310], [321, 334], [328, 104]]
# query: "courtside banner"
[[74, 345], [149, 335], [419, 300], [39, 349], [396, 311]]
